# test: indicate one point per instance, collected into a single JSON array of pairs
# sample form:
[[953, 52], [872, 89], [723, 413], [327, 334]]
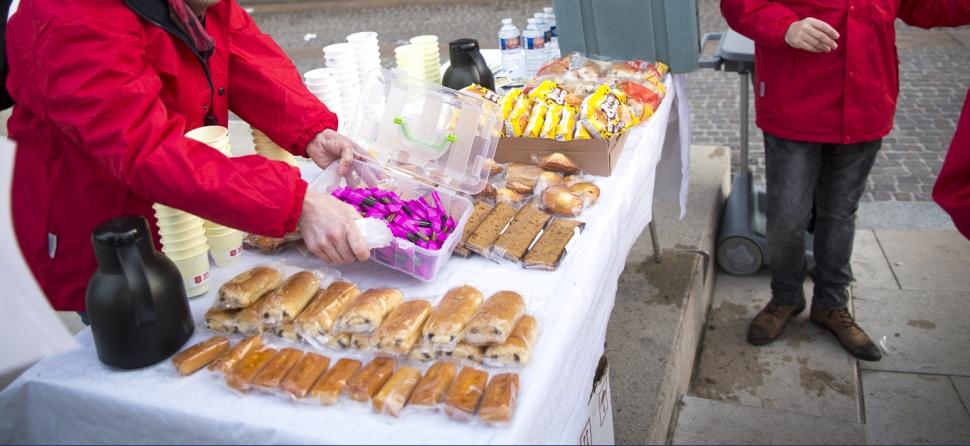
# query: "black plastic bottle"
[[467, 66]]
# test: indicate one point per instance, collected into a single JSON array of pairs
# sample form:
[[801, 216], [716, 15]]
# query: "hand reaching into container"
[[329, 230], [811, 34], [329, 146]]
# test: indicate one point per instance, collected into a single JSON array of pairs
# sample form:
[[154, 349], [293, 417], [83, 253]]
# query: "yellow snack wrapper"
[[581, 132], [536, 119], [482, 92], [551, 123], [600, 113], [518, 118], [567, 124], [550, 92], [508, 102]]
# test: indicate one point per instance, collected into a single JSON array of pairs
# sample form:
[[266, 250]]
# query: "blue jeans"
[[832, 177]]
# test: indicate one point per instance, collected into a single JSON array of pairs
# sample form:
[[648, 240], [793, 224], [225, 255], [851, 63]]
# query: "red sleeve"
[[931, 13], [100, 94], [266, 90], [952, 188], [762, 21]]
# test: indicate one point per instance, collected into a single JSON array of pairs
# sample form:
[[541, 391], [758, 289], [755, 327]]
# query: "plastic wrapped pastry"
[[329, 387], [589, 191], [560, 200], [363, 341], [277, 368], [507, 103], [402, 328], [190, 360], [340, 341], [498, 403], [443, 329], [368, 310], [491, 227], [304, 374], [537, 118], [551, 123], [549, 249], [526, 225], [600, 114], [525, 174], [290, 298], [316, 320], [242, 374], [270, 245], [464, 393], [248, 286], [431, 389], [423, 352], [518, 117], [228, 360], [558, 162], [392, 397], [479, 213], [567, 124], [495, 319], [220, 320], [287, 331], [365, 384], [467, 352], [517, 350], [507, 196], [249, 320]]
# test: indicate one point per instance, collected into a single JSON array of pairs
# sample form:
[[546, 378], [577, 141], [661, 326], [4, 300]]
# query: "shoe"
[[769, 324], [841, 323]]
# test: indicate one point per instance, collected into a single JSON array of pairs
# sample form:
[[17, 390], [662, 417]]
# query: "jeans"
[[832, 177]]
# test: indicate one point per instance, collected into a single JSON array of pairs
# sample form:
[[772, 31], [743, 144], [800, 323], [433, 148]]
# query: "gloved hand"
[[329, 146], [329, 230]]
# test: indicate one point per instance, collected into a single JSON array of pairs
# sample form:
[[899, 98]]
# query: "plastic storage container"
[[416, 137]]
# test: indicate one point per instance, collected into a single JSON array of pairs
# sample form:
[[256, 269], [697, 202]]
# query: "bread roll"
[[220, 320], [517, 350], [244, 289], [402, 328], [368, 310], [495, 319], [316, 320], [444, 326], [290, 298]]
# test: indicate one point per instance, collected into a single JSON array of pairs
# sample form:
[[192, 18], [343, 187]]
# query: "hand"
[[811, 34], [329, 146], [329, 230]]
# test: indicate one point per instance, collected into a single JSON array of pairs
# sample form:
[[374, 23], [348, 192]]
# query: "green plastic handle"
[[437, 147]]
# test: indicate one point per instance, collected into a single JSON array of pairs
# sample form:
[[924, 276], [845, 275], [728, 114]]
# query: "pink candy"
[[424, 224]]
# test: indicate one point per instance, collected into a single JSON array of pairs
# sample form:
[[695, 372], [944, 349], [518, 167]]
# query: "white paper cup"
[[182, 254], [226, 249], [218, 231], [177, 237], [339, 48], [209, 133], [362, 36], [195, 273], [164, 211], [174, 219], [171, 229], [427, 39], [184, 245], [319, 74]]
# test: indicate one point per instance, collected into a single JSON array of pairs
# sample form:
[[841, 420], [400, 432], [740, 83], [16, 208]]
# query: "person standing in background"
[[952, 188], [826, 83]]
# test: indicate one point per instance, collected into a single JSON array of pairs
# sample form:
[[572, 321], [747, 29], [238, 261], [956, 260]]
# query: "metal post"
[[657, 257], [743, 167]]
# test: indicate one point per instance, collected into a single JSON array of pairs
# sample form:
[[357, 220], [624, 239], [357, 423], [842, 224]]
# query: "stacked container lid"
[[420, 59]]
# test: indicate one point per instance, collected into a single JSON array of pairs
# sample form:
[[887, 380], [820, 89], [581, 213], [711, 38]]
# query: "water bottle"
[[546, 33], [553, 42], [535, 51], [510, 42]]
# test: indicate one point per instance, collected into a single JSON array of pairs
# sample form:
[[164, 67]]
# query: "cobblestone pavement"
[[934, 67]]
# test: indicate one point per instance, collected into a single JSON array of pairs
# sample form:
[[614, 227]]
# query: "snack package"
[[551, 123], [557, 162], [581, 132], [518, 118], [506, 105], [560, 200], [643, 101], [588, 190], [249, 320], [443, 328], [368, 310], [493, 322], [270, 245], [219, 320], [248, 286], [536, 119], [517, 350], [481, 92], [304, 374], [243, 372], [225, 362], [402, 328], [464, 393], [552, 245], [192, 359], [314, 324], [498, 403], [515, 241], [566, 127], [554, 69], [524, 175], [368, 380], [600, 114], [331, 385], [391, 398], [432, 387], [272, 374], [479, 213], [287, 301], [423, 352], [508, 196], [491, 227]]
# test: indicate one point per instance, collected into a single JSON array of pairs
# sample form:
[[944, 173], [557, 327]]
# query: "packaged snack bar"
[[536, 118], [600, 114], [567, 124], [391, 398], [498, 403], [518, 118], [551, 123], [431, 389], [190, 360], [465, 392], [482, 92]]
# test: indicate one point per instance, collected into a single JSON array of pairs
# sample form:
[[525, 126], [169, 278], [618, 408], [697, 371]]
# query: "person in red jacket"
[[952, 188], [105, 91], [825, 84]]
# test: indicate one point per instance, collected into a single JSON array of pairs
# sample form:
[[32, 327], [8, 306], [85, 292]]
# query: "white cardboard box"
[[598, 428]]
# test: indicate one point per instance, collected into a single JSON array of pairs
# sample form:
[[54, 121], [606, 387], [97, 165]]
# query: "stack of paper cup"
[[224, 243], [366, 51], [322, 82], [340, 57], [430, 55], [419, 61], [268, 149], [183, 241]]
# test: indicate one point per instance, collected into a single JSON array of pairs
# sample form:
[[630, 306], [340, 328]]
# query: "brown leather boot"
[[769, 324], [841, 323]]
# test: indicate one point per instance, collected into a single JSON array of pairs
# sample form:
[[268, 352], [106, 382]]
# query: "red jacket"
[[104, 96], [845, 96], [952, 188]]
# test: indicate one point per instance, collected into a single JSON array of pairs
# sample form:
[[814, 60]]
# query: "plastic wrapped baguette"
[[190, 360], [244, 289], [368, 310], [392, 397], [331, 385], [402, 328], [493, 322], [517, 350], [290, 298], [444, 326], [315, 323]]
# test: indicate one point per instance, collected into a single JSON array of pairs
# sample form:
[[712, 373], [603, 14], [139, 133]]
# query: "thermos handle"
[[482, 68], [141, 297]]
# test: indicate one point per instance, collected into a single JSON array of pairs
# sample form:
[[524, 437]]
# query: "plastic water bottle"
[[553, 42], [546, 33], [535, 51], [510, 41]]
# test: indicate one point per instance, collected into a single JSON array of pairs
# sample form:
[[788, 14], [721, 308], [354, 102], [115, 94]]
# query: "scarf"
[[185, 14]]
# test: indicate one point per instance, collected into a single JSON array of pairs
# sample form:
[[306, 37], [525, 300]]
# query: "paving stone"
[[703, 421], [805, 371], [962, 383], [919, 331], [869, 264], [904, 408], [928, 260]]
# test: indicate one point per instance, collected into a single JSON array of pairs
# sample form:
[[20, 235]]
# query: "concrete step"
[[660, 308]]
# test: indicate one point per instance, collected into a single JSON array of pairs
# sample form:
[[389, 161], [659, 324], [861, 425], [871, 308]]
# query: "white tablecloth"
[[72, 398]]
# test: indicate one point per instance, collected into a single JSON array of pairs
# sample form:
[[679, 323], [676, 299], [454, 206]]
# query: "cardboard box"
[[594, 156], [598, 428]]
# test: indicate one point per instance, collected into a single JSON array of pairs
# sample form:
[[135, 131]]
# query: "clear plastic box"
[[416, 137]]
